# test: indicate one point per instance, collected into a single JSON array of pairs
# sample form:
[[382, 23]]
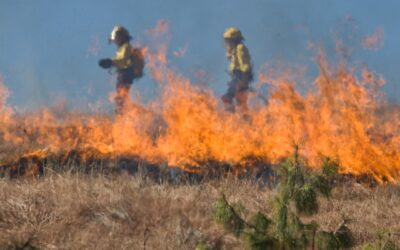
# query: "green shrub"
[[387, 245], [369, 246], [227, 216], [344, 237], [321, 184], [326, 241], [299, 186], [329, 167], [203, 246], [256, 240], [306, 200], [260, 222]]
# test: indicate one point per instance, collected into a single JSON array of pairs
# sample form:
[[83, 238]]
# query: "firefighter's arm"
[[244, 60], [121, 58]]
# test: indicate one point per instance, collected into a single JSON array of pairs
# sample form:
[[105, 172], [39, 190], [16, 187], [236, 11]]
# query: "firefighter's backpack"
[[137, 57]]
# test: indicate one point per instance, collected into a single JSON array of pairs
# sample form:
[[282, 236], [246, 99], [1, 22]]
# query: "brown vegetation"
[[76, 211]]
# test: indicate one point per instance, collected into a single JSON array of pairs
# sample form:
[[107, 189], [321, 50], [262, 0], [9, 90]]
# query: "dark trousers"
[[124, 83], [238, 89]]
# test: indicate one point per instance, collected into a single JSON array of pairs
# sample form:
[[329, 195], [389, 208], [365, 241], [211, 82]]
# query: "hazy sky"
[[49, 49]]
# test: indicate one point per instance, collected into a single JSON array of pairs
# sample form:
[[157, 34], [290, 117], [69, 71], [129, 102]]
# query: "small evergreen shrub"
[[226, 215], [203, 246], [384, 242], [260, 222], [344, 236], [326, 241], [299, 188], [306, 200]]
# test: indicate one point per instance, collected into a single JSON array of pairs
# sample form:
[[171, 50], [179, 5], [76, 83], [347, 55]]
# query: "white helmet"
[[119, 31]]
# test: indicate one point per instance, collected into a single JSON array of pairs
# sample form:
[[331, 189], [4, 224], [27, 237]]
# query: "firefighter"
[[240, 69], [126, 65]]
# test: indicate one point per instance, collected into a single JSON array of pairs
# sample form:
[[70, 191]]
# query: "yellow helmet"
[[233, 33]]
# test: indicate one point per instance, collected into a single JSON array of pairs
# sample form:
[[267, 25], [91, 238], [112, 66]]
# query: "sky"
[[49, 49]]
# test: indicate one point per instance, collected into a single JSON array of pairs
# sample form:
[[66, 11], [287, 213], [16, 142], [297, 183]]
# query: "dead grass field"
[[75, 211]]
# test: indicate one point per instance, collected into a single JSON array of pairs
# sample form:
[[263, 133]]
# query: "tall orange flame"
[[343, 116]]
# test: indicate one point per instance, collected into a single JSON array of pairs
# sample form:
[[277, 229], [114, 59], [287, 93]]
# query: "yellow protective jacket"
[[240, 59], [123, 57]]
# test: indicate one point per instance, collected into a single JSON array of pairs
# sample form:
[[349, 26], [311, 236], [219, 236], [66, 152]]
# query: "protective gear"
[[124, 63], [122, 59], [105, 63], [233, 33], [238, 89], [129, 64], [131, 58], [121, 98], [240, 69], [138, 62], [240, 58], [119, 33], [125, 76]]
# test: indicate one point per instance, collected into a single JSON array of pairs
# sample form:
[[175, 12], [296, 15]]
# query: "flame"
[[374, 41], [181, 52], [343, 115], [161, 28]]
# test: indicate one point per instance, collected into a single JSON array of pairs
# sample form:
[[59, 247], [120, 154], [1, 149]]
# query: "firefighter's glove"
[[105, 63]]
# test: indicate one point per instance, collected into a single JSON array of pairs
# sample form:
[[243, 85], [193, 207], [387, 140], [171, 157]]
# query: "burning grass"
[[83, 211], [342, 114]]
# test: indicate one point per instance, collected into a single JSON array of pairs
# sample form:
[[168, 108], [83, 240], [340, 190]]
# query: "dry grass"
[[72, 211]]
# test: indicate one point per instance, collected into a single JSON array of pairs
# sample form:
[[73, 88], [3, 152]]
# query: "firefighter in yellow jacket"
[[240, 69], [124, 64]]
